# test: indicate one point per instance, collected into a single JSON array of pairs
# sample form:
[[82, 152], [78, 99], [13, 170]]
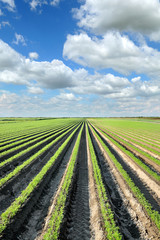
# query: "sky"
[[85, 58]]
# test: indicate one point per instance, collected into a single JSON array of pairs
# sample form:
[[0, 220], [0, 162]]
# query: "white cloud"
[[34, 4], [35, 90], [114, 51], [33, 55], [133, 15], [9, 4], [136, 79], [55, 2], [19, 39], [37, 3], [4, 23], [1, 13], [77, 88], [9, 58], [12, 104]]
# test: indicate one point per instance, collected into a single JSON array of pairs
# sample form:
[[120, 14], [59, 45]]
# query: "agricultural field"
[[75, 178]]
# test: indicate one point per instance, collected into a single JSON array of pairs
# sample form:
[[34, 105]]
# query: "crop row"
[[57, 215], [137, 138], [20, 130], [21, 142], [19, 202], [29, 138], [31, 159], [141, 129], [154, 215], [111, 230], [142, 148], [25, 151], [133, 157]]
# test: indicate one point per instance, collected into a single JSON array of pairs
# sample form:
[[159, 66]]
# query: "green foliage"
[[131, 155], [112, 231], [58, 212], [154, 215], [8, 215]]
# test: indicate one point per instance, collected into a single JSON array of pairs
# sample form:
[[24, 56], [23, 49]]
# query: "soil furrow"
[[148, 162], [77, 219], [135, 178], [33, 211], [25, 140], [9, 167], [125, 221], [35, 220], [148, 230], [12, 188], [8, 155]]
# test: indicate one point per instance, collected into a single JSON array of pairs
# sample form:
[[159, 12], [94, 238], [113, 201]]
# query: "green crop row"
[[26, 144], [138, 143], [31, 159], [111, 230], [58, 212], [9, 160], [35, 136], [146, 129], [117, 138], [15, 131], [7, 216], [154, 215], [134, 138], [131, 155]]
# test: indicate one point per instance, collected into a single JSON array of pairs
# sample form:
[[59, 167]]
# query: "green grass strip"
[[58, 212], [112, 231], [8, 215], [154, 215]]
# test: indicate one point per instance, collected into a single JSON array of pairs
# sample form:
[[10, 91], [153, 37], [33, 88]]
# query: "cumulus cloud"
[[37, 76], [35, 90], [137, 16], [33, 55], [12, 104], [9, 58], [136, 79], [113, 50], [19, 39], [15, 68], [9, 4]]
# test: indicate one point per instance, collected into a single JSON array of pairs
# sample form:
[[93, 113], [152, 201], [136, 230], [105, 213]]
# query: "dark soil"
[[135, 178], [123, 218], [77, 219], [29, 220]]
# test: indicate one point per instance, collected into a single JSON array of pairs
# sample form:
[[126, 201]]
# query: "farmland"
[[76, 178]]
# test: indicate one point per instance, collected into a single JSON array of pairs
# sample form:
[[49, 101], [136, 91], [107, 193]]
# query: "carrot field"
[[77, 178]]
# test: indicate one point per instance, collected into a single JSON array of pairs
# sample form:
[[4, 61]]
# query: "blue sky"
[[79, 58]]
